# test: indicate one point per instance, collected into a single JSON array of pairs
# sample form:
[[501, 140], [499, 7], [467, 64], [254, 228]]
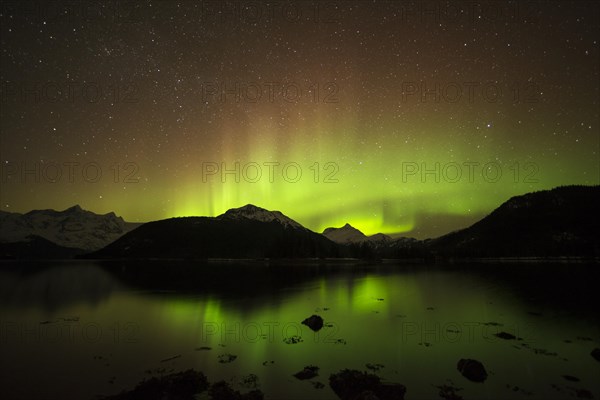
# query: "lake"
[[82, 329]]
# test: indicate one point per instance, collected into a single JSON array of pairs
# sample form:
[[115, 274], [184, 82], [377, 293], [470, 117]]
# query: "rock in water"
[[222, 391], [506, 336], [596, 354], [473, 370], [391, 391], [180, 385], [354, 385], [314, 322], [308, 372]]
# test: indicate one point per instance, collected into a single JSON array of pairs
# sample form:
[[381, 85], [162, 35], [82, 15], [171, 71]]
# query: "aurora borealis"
[[412, 118]]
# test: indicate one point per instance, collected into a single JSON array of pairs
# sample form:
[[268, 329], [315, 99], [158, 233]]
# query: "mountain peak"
[[347, 227], [249, 208], [349, 234], [345, 234], [74, 209], [250, 211]]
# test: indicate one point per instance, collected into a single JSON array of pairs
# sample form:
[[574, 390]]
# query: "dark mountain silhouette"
[[560, 222], [246, 232]]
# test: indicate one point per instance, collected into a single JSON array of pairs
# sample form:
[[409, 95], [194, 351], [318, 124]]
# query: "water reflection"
[[120, 323], [55, 285]]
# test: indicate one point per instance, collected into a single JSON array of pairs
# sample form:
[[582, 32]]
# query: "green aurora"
[[363, 100]]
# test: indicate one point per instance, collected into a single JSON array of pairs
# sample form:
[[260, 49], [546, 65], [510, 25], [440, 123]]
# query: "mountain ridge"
[[558, 222], [71, 228]]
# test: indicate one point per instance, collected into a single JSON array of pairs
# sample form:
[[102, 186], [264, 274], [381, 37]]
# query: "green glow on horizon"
[[372, 193]]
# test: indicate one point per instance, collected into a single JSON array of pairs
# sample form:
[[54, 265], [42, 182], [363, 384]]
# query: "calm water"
[[76, 330]]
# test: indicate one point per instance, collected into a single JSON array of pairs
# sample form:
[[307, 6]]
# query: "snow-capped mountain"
[[73, 227], [348, 234], [245, 232], [250, 211]]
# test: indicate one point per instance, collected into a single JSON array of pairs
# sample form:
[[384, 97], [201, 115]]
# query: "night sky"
[[139, 107]]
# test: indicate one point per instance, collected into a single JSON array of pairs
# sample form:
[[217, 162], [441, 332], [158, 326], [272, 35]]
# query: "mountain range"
[[354, 243], [58, 233], [559, 222]]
